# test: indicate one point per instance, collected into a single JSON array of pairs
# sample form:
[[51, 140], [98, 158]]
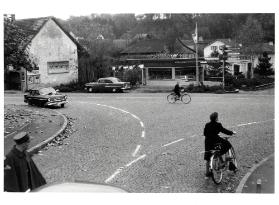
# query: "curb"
[[39, 146], [249, 173]]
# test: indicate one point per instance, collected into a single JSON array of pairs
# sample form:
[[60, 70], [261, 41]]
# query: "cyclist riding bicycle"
[[176, 90], [211, 133]]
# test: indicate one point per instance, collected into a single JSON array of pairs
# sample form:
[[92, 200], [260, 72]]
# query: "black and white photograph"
[[160, 102]]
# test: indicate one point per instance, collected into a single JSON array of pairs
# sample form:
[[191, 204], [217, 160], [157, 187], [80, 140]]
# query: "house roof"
[[152, 46], [258, 48], [32, 27], [145, 46], [226, 41]]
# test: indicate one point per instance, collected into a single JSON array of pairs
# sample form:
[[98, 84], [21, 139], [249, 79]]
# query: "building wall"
[[208, 49], [55, 54]]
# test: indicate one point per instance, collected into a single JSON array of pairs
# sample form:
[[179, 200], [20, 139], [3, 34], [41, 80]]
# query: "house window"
[[58, 67], [213, 48]]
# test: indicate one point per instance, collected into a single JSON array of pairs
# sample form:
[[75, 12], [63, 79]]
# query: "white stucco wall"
[[51, 44], [207, 50]]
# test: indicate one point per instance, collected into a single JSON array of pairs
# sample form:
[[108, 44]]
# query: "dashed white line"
[[114, 175], [135, 116], [136, 150], [132, 162], [118, 171], [143, 134], [173, 142], [250, 123]]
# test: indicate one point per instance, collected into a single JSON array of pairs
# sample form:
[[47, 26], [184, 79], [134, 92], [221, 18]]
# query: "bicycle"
[[184, 97], [216, 167]]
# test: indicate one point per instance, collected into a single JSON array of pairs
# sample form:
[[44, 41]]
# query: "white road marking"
[[248, 123], [193, 136], [118, 171], [251, 123], [135, 116], [114, 175], [136, 150], [143, 134], [132, 162], [173, 142]]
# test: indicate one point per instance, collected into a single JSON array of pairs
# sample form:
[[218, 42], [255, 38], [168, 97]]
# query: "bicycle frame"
[[215, 164]]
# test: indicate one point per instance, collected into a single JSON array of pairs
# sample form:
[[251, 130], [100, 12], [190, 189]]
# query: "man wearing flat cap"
[[20, 171]]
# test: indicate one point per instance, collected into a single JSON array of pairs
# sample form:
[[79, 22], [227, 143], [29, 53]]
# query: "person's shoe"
[[232, 167], [208, 174]]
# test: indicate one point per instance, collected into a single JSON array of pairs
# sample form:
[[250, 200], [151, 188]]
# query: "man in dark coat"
[[20, 172], [176, 90], [211, 133]]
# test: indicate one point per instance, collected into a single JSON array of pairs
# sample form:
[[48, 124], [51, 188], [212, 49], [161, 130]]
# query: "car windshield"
[[47, 91]]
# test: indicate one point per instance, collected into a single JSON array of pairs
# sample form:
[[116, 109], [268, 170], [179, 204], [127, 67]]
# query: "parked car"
[[45, 97], [109, 84]]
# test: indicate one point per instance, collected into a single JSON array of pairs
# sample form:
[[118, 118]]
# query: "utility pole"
[[223, 74], [224, 57], [195, 38], [197, 64]]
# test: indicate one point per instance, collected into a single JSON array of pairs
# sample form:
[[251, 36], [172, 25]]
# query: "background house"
[[54, 51], [256, 50], [161, 62], [237, 63], [241, 59]]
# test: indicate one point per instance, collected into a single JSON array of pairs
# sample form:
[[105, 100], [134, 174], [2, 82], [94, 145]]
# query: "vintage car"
[[109, 84], [48, 97]]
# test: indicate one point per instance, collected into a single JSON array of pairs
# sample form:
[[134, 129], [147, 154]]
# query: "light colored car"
[[79, 187], [109, 84]]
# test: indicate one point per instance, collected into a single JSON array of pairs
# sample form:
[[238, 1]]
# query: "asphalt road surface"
[[142, 143]]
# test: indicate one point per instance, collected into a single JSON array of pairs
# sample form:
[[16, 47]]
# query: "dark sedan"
[[109, 84], [48, 97]]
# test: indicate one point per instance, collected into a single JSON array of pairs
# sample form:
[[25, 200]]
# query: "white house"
[[238, 63], [54, 51]]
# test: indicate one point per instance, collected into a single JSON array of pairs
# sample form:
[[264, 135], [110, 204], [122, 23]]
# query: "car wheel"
[[63, 105], [90, 90], [114, 90]]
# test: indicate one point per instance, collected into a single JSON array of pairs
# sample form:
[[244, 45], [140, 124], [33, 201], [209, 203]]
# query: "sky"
[[64, 9]]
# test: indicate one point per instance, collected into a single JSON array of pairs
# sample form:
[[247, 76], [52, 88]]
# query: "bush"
[[72, 86], [133, 76], [202, 88]]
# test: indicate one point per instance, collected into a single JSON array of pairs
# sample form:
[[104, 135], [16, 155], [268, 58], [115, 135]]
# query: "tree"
[[15, 50], [251, 32], [264, 66]]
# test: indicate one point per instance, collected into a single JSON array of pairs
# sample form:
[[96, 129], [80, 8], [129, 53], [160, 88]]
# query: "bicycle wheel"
[[233, 157], [216, 169], [185, 98], [171, 98]]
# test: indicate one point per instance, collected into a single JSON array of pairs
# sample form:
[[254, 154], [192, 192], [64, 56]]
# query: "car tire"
[[62, 105], [90, 90], [114, 90]]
